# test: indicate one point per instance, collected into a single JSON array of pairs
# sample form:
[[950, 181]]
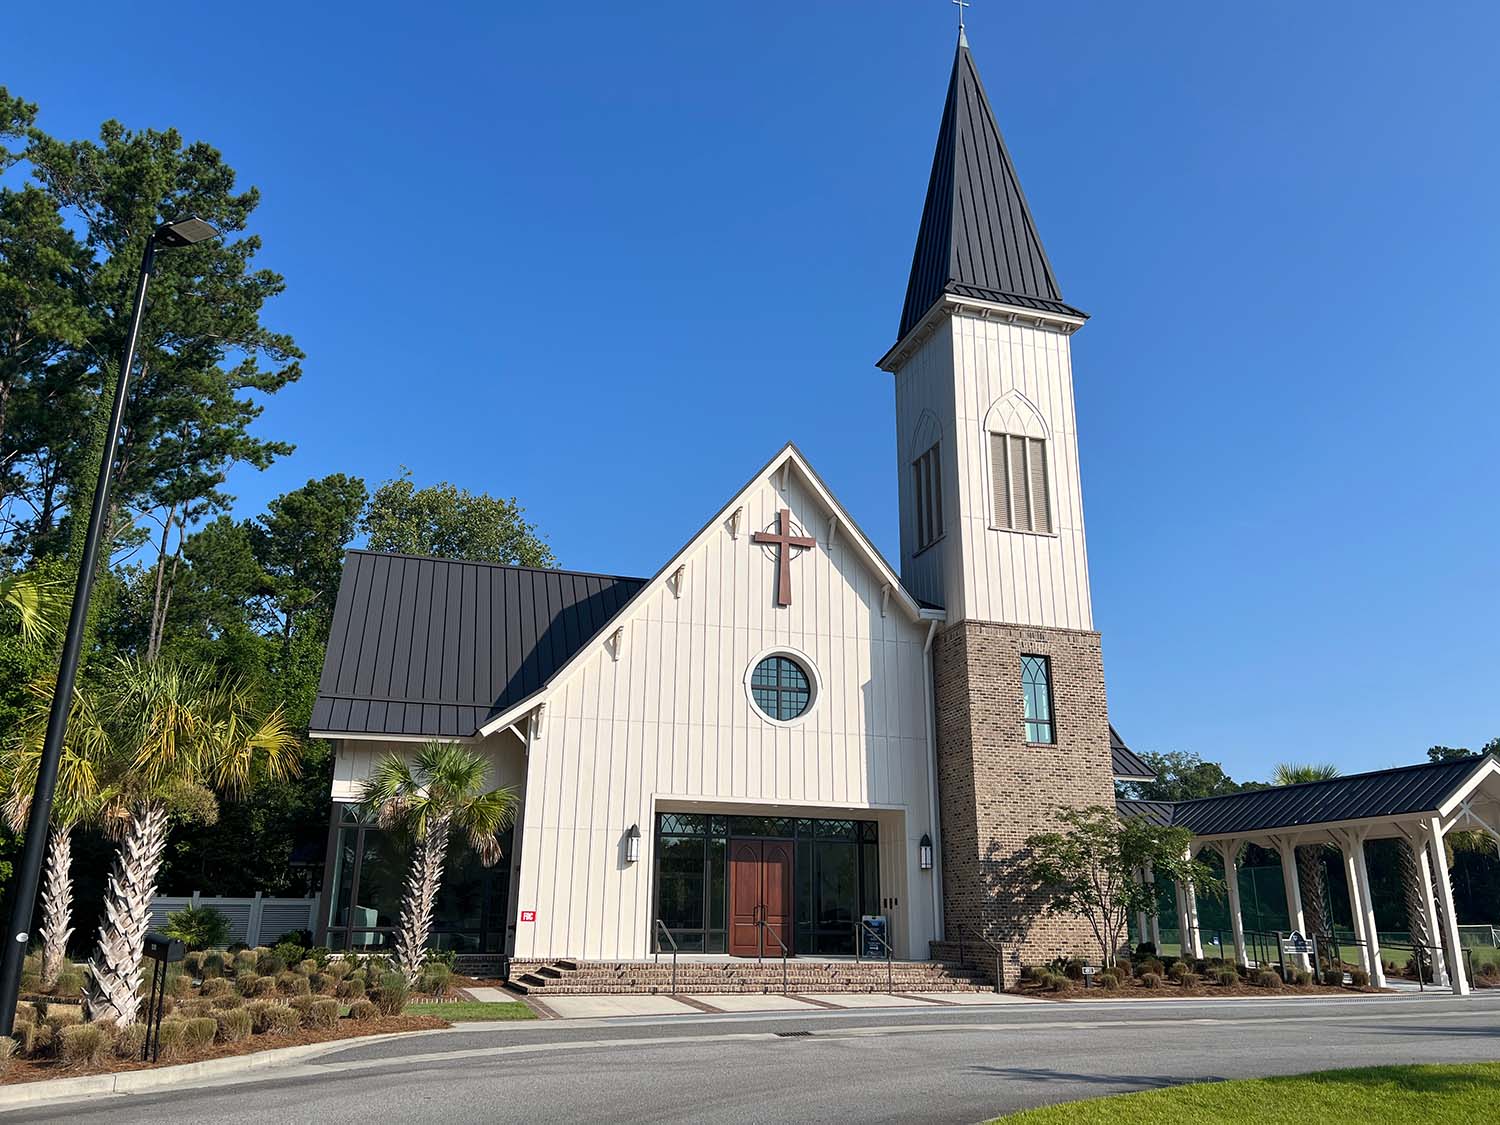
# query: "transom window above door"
[[781, 688]]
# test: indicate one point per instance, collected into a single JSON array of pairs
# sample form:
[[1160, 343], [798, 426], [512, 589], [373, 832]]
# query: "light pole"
[[185, 232]]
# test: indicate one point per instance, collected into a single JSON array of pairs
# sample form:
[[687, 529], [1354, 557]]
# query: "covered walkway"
[[1417, 805]]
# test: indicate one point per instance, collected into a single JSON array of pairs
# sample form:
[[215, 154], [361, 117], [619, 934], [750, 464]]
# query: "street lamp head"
[[184, 232]]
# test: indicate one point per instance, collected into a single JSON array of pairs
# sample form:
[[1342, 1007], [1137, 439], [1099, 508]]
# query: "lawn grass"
[[1444, 1095], [462, 1011]]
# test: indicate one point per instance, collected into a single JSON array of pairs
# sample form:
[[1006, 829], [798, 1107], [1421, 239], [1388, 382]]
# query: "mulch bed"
[[1171, 991], [34, 1070]]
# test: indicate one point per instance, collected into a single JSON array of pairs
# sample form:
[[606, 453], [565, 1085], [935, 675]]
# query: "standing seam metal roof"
[[1403, 791], [1126, 762], [431, 647], [977, 238]]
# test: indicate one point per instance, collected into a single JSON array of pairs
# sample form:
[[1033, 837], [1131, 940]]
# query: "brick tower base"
[[995, 789]]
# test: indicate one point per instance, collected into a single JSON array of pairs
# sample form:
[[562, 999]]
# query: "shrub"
[[244, 961], [435, 979], [235, 947], [1265, 978], [130, 1040], [392, 995], [197, 927], [69, 982], [1152, 965], [263, 986], [1227, 977], [228, 1003], [1359, 978], [213, 965], [1124, 969], [270, 963], [1188, 980], [200, 1032], [60, 1016], [35, 1038], [1150, 980], [84, 1044], [307, 966], [170, 1035], [1179, 971], [324, 1013], [279, 1019], [217, 986], [363, 1010], [194, 1009], [181, 986], [322, 955], [1334, 977], [258, 1013], [361, 975], [339, 969], [289, 952], [322, 984], [1301, 977], [301, 938], [1109, 980], [244, 983], [234, 1025], [293, 983], [351, 989], [303, 1004], [192, 962], [1144, 950]]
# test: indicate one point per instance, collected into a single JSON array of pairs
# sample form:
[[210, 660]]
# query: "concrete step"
[[573, 977]]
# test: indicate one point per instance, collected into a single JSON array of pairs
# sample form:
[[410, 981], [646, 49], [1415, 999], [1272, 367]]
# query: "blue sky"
[[609, 257]]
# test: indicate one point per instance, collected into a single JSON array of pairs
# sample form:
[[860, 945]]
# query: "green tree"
[[426, 799], [1312, 870], [452, 523], [1087, 869], [1182, 775], [177, 736], [299, 543]]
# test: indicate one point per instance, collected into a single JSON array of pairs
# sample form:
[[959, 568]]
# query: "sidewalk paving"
[[598, 1007]]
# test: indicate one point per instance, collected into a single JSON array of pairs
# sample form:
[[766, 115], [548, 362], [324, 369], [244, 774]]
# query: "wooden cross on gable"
[[783, 540]]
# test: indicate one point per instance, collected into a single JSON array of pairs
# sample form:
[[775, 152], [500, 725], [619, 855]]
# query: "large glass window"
[[781, 687], [368, 877], [1036, 686]]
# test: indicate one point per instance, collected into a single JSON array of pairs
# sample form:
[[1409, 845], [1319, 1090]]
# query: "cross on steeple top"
[[962, 4], [783, 540]]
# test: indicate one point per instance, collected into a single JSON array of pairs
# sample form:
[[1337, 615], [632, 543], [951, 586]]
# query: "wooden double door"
[[760, 890]]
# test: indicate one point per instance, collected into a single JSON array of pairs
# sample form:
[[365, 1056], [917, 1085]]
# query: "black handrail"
[[661, 928], [764, 928], [862, 928], [998, 951]]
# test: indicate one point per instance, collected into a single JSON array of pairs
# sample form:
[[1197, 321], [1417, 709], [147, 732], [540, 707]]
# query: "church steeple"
[[977, 238]]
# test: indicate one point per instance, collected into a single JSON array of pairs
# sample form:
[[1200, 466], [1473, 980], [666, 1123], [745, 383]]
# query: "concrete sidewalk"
[[604, 1006]]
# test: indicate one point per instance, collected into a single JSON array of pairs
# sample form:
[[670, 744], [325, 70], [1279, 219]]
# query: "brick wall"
[[995, 789]]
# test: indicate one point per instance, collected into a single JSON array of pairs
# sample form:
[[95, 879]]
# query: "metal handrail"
[[993, 948], [661, 928], [764, 928], [863, 928]]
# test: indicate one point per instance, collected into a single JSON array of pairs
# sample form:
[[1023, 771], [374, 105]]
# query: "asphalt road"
[[940, 1065]]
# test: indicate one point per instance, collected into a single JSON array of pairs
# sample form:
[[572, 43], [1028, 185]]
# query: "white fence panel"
[[254, 921]]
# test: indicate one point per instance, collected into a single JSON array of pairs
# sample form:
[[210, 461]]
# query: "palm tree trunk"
[[1411, 893], [114, 993], [421, 892], [1314, 879], [57, 903]]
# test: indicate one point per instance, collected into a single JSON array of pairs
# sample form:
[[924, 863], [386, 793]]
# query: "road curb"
[[139, 1081]]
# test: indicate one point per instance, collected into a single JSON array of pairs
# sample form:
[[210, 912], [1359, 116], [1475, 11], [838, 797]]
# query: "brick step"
[[572, 977]]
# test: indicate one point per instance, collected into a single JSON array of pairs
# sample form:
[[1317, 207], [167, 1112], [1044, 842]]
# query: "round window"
[[781, 688]]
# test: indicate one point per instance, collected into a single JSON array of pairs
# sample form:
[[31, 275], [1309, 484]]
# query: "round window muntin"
[[800, 663]]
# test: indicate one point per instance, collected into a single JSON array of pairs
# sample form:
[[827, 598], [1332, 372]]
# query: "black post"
[[29, 874]]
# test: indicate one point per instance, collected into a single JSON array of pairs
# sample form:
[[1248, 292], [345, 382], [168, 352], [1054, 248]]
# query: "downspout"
[[932, 792]]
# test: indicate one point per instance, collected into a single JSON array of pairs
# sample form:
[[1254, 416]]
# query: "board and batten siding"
[[967, 366], [355, 758], [667, 724], [925, 385]]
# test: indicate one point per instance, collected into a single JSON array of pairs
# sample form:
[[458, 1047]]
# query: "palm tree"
[[178, 735], [75, 800], [426, 799], [1311, 872], [39, 605]]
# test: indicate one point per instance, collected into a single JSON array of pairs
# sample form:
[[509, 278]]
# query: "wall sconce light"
[[924, 853], [633, 844]]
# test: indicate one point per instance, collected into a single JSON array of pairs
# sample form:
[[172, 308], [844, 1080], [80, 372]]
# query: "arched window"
[[927, 482], [1020, 477]]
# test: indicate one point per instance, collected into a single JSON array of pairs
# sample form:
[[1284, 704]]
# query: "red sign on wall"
[[528, 915]]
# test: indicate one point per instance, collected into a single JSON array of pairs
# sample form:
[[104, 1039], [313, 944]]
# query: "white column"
[[1367, 909], [1230, 850], [1417, 838], [1141, 932], [1460, 982], [1193, 940], [1184, 924], [1356, 910], [1154, 918], [1286, 848]]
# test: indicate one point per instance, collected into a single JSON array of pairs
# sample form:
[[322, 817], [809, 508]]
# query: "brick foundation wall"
[[995, 789]]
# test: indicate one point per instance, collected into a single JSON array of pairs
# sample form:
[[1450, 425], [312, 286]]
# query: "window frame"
[[1027, 722], [808, 669], [928, 526], [1002, 489]]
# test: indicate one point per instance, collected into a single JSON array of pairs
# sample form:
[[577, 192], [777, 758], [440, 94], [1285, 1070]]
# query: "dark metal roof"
[[977, 238], [1126, 761], [1403, 791], [432, 647]]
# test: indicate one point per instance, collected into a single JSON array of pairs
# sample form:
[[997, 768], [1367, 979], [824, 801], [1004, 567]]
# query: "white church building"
[[781, 733]]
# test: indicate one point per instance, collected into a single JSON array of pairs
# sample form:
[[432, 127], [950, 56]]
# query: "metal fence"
[[254, 921]]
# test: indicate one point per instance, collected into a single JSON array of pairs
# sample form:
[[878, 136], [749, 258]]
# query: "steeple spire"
[[977, 238]]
